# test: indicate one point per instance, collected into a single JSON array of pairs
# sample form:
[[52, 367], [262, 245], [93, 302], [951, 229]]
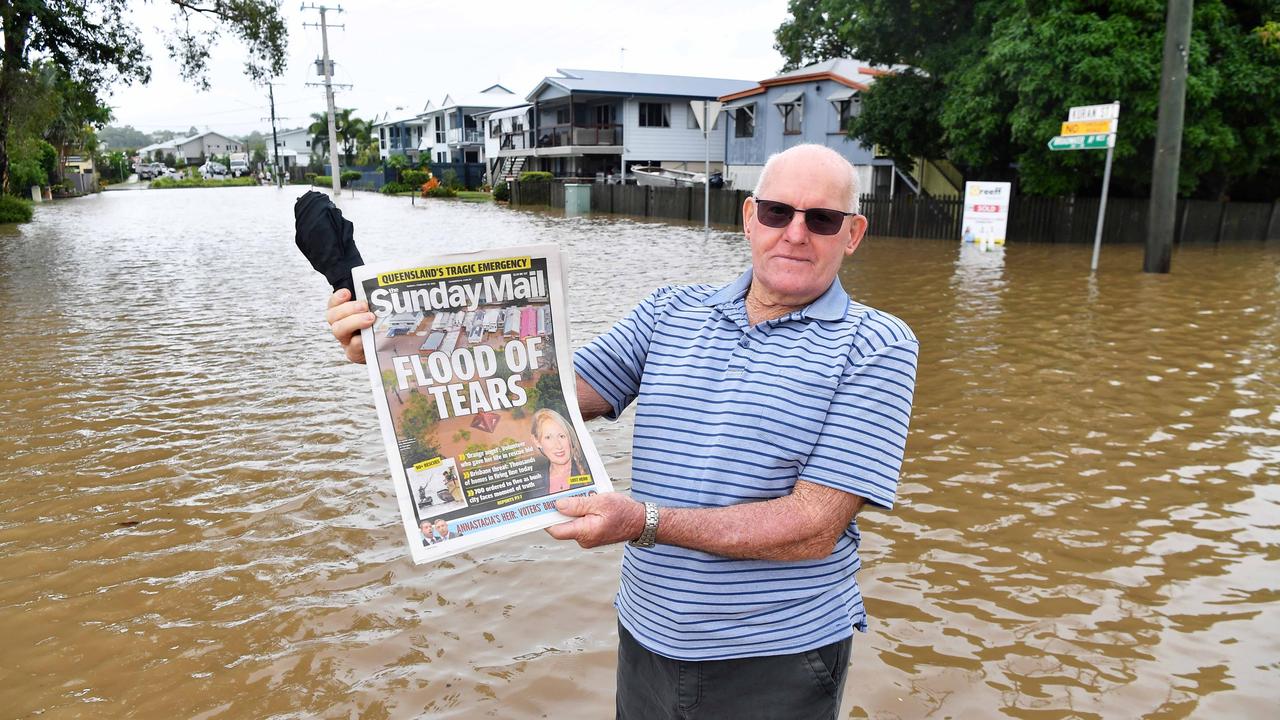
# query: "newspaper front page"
[[472, 376]]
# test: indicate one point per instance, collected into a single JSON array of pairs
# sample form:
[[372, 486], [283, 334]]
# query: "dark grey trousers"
[[804, 686]]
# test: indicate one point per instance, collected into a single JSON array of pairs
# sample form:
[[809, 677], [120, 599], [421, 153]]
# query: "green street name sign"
[[1080, 142]]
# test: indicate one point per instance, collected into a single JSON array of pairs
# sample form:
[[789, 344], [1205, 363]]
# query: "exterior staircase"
[[511, 167]]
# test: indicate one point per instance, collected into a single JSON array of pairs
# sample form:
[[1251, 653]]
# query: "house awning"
[[844, 93], [509, 112], [792, 97], [748, 105]]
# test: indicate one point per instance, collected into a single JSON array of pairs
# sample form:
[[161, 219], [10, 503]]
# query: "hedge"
[[15, 209], [165, 183], [416, 178], [535, 176]]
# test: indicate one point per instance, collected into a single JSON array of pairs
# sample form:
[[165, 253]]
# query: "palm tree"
[[353, 133], [319, 129]]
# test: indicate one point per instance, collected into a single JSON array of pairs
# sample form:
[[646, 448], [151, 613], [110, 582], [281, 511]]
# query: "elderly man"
[[768, 412]]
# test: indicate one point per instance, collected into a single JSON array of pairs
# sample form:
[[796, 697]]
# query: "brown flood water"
[[195, 520]]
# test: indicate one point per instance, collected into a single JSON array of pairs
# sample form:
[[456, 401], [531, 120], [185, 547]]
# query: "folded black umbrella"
[[325, 238]]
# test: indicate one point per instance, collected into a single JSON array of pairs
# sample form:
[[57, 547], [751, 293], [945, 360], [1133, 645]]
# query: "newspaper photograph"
[[472, 376]]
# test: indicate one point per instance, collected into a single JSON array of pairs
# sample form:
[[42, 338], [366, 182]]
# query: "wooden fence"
[[1031, 219]]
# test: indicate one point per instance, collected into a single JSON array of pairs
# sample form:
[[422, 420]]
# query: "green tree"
[[93, 44], [993, 80], [419, 422], [390, 382], [353, 134]]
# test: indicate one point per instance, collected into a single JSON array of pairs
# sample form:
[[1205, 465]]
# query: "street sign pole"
[[706, 172], [1102, 210]]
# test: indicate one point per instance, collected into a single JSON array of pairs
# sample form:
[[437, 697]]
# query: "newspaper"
[[473, 380]]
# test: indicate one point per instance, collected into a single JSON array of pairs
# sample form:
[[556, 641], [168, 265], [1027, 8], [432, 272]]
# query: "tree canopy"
[[93, 47], [986, 83]]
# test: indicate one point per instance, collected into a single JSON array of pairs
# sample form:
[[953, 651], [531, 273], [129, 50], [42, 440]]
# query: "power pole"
[[1164, 170], [275, 141], [328, 92]]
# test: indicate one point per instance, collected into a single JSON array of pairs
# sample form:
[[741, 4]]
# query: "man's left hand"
[[599, 519]]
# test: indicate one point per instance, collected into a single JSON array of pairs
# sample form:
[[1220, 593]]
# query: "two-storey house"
[[813, 104], [400, 131], [294, 147], [582, 123], [450, 131]]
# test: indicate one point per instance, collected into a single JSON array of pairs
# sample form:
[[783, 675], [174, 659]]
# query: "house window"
[[495, 128], [604, 115], [308, 143], [792, 118], [744, 121], [655, 114], [562, 116], [848, 109], [691, 119]]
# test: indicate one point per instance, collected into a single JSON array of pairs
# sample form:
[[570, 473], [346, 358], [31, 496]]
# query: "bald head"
[[827, 166]]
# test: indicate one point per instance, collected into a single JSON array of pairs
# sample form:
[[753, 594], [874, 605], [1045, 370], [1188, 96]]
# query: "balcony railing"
[[549, 136], [465, 136]]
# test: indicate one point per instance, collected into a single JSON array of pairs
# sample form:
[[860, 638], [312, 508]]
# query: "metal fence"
[[1031, 219], [1075, 219]]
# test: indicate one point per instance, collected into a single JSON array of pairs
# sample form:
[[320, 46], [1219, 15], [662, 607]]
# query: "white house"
[[298, 141], [400, 132], [207, 144], [450, 132], [581, 123], [189, 149]]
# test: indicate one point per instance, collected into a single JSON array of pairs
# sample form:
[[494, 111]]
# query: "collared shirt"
[[727, 413]]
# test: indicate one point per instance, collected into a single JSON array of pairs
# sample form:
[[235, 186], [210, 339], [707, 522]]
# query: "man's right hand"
[[346, 318]]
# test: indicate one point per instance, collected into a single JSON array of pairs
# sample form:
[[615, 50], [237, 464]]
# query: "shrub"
[[350, 176], [310, 177], [450, 179], [165, 183], [440, 191], [392, 188], [533, 176], [322, 180], [502, 192], [415, 178], [15, 210]]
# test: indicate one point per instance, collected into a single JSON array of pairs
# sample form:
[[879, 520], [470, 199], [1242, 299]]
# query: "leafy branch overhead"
[[256, 23], [94, 46], [986, 83]]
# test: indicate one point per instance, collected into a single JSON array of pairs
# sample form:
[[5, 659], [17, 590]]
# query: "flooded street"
[[196, 520]]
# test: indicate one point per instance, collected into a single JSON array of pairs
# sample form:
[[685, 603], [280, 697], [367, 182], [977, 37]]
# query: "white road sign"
[[1110, 111]]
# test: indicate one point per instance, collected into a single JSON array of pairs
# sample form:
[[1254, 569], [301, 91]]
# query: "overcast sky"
[[402, 53]]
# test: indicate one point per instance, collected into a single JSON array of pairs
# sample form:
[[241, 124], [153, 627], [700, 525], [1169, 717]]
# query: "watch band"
[[649, 536]]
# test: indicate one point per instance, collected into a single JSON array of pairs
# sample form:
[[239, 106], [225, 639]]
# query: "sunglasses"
[[820, 221]]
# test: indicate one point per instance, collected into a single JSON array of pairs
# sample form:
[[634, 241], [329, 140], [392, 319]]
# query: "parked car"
[[147, 171], [212, 169]]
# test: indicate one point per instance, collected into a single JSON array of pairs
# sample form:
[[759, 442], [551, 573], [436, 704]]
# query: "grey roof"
[[848, 68], [622, 83]]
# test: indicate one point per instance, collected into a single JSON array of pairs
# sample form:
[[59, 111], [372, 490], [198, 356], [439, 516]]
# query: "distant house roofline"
[[827, 72]]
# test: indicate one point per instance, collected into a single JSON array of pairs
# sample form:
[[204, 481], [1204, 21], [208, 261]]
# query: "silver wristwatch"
[[649, 536]]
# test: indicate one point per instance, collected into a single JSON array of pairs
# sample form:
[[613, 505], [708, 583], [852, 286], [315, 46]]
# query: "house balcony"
[[465, 136], [564, 140]]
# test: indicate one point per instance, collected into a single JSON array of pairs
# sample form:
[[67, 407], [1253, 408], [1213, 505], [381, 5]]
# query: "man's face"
[[791, 265], [442, 528]]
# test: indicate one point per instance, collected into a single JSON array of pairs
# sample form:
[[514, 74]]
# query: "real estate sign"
[[986, 212]]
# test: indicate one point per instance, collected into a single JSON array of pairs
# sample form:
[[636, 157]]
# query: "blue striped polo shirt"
[[729, 413]]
